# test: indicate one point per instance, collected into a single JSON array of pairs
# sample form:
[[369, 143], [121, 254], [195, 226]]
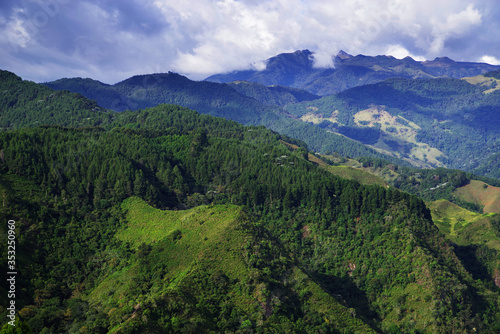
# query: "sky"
[[111, 40]]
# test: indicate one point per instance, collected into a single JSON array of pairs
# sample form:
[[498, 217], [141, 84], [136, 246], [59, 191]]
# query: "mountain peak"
[[305, 52], [444, 60], [343, 55]]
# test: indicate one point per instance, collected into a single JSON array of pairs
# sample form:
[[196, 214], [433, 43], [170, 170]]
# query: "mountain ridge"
[[271, 242], [297, 70], [247, 103], [423, 117]]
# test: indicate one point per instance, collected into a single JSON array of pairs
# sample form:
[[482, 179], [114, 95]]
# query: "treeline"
[[493, 74]]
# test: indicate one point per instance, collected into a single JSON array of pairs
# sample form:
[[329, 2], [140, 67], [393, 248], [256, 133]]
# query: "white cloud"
[[202, 37], [322, 60], [259, 65], [489, 60], [455, 24], [398, 51]]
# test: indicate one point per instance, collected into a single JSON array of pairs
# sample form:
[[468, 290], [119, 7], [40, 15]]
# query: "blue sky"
[[111, 40]]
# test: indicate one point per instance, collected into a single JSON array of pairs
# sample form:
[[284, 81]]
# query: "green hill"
[[476, 238], [207, 255], [165, 220], [249, 104], [428, 122], [315, 247], [24, 103]]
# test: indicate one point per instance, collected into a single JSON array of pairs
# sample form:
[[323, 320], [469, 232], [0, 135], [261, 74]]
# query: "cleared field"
[[464, 227], [450, 217], [398, 129], [484, 81], [480, 193], [356, 174]]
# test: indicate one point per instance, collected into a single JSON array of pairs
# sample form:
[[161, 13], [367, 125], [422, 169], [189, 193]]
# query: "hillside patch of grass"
[[358, 175], [208, 242], [464, 227], [480, 193]]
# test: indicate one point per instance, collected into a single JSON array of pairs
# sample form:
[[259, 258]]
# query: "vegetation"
[[428, 122], [163, 220], [238, 102]]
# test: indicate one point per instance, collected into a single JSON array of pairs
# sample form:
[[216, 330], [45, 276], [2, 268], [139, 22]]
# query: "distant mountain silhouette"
[[297, 70]]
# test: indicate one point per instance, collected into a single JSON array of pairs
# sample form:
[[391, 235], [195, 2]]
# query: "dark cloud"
[[110, 40]]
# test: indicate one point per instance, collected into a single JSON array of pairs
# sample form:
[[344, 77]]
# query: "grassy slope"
[[206, 238], [484, 81], [202, 230], [452, 219], [475, 235], [481, 193], [356, 174]]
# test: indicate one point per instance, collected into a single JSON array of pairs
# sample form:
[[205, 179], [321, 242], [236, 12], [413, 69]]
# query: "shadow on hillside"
[[468, 256], [348, 294]]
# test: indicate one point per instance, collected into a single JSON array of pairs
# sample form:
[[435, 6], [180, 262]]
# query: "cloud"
[[322, 60], [398, 51], [489, 60], [455, 24], [110, 40]]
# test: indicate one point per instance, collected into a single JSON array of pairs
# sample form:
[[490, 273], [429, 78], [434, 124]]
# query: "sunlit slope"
[[481, 193], [211, 248], [357, 174], [453, 219]]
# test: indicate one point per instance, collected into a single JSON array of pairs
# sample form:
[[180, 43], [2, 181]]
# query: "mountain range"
[[427, 114], [298, 70], [162, 219]]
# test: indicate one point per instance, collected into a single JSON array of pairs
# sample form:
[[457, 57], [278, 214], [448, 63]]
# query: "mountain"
[[433, 122], [206, 225], [430, 122], [246, 103], [144, 91], [427, 122], [272, 95], [164, 220], [297, 70], [104, 94]]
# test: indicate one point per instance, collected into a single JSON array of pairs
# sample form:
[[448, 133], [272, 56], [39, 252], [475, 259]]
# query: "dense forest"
[[331, 229], [164, 220], [246, 103]]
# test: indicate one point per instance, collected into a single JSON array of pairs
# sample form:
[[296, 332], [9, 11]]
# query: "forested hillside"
[[69, 210], [164, 220], [431, 122], [249, 104], [24, 103]]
